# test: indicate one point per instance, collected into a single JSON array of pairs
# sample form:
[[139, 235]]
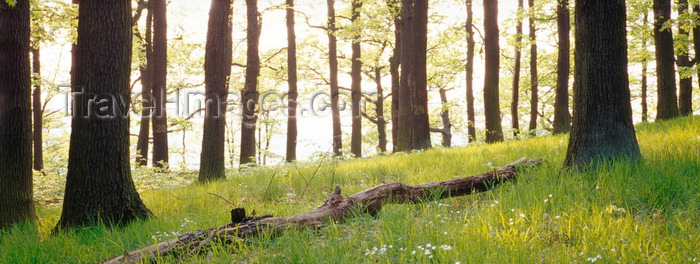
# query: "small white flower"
[[546, 200], [446, 247], [550, 196], [413, 252], [522, 215]]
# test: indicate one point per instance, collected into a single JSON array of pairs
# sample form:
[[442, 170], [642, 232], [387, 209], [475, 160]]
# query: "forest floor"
[[646, 212]]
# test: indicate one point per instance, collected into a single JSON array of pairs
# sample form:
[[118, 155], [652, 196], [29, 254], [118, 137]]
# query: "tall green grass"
[[646, 212]]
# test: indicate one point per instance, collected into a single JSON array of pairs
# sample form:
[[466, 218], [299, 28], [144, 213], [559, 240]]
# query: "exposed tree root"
[[336, 208]]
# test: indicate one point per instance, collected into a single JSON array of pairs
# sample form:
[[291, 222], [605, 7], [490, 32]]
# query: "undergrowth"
[[646, 212]]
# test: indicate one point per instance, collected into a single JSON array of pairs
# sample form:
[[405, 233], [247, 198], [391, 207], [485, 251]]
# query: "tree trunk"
[[356, 86], [494, 131], [394, 65], [667, 106], [562, 118], [217, 71], [15, 116], [379, 110], [333, 64], [146, 94], [696, 46], [446, 123], [471, 118], [685, 97], [159, 82], [516, 74], [37, 111], [99, 188], [292, 82], [250, 91], [336, 208], [602, 122], [534, 83], [414, 91]]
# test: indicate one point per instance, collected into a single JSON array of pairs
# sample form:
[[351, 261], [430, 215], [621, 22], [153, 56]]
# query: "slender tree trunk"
[[685, 98], [333, 64], [446, 123], [516, 74], [602, 123], [696, 46], [146, 94], [379, 110], [645, 109], [494, 131], [250, 91], [394, 65], [667, 106], [99, 187], [217, 71], [471, 118], [562, 118], [15, 116], [534, 83], [292, 82], [159, 82], [356, 86], [37, 112]]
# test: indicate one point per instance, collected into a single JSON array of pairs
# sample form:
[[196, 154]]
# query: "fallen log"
[[336, 208]]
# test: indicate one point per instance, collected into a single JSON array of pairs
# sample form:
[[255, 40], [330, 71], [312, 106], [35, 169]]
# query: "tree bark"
[[602, 122], [562, 118], [446, 123], [336, 208], [667, 105], [394, 66], [217, 72], [159, 82], [250, 91], [292, 82], [15, 116], [471, 118], [333, 65], [414, 91], [494, 131], [696, 46], [37, 111], [685, 98], [534, 82], [146, 92], [356, 86], [99, 187], [516, 74]]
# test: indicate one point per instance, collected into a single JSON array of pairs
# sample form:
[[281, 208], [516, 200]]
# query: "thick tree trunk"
[[250, 91], [515, 118], [667, 106], [146, 94], [602, 123], [336, 208], [333, 64], [356, 86], [685, 98], [159, 82], [394, 65], [696, 46], [99, 188], [471, 118], [292, 82], [15, 116], [534, 82], [494, 131], [217, 71], [562, 118], [414, 125], [37, 112]]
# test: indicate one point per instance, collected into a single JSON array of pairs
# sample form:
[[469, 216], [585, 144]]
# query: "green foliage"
[[633, 213]]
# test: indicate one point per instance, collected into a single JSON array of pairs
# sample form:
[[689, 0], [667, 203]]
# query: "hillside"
[[628, 213]]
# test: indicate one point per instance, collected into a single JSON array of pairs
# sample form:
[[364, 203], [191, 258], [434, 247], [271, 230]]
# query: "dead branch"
[[336, 208]]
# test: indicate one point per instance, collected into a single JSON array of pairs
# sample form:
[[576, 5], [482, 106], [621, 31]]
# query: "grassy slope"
[[645, 213]]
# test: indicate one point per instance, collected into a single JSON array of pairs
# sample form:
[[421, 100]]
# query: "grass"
[[645, 212]]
